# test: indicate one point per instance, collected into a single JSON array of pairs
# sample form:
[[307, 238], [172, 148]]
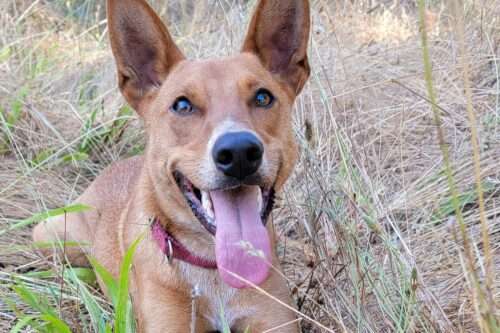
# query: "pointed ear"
[[143, 48], [278, 35]]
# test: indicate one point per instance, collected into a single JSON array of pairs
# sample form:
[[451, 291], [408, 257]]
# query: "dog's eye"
[[263, 98], [182, 106]]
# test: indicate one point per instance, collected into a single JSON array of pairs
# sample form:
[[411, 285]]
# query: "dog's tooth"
[[259, 200], [207, 204], [205, 199]]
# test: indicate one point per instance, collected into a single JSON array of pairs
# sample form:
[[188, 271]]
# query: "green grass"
[[46, 303]]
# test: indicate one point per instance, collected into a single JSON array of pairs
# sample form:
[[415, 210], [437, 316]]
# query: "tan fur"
[[152, 73]]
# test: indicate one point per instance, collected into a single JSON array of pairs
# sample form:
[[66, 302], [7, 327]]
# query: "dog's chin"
[[201, 204]]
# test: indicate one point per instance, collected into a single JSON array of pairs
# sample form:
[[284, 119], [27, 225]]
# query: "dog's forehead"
[[240, 69]]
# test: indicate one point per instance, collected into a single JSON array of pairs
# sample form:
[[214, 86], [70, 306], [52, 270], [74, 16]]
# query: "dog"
[[219, 146]]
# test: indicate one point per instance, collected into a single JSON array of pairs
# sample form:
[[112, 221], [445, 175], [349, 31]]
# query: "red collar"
[[172, 248]]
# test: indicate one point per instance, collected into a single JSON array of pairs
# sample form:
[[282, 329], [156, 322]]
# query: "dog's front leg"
[[165, 309], [162, 311]]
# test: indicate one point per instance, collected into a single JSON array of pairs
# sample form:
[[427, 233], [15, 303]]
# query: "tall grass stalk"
[[457, 7], [489, 311], [479, 298]]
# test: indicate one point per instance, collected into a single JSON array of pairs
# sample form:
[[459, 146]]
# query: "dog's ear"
[[278, 35], [143, 49]]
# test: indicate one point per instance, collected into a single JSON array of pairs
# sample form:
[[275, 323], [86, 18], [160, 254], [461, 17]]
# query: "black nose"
[[238, 154]]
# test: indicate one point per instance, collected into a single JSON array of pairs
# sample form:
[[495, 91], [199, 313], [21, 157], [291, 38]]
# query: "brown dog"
[[219, 144]]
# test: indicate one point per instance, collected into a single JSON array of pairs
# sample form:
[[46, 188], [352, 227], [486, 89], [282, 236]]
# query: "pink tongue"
[[242, 244]]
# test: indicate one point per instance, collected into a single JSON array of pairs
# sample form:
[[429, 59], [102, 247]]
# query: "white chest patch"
[[219, 296]]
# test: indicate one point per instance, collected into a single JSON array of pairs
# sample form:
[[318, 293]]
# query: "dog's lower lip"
[[199, 200]]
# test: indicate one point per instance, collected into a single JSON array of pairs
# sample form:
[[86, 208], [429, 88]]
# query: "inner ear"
[[279, 35], [139, 68], [144, 50]]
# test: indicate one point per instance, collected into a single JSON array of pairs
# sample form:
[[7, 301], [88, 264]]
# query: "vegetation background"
[[371, 239]]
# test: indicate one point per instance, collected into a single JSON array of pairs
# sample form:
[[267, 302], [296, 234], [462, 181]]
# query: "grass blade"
[[108, 279], [77, 208], [123, 306], [57, 324], [22, 323]]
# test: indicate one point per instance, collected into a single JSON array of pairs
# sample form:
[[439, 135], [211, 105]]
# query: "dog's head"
[[219, 131]]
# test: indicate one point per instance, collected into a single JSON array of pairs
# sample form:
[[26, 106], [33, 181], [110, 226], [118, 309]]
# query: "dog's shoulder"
[[117, 180]]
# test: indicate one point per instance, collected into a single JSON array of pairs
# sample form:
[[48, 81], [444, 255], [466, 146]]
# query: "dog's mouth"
[[236, 216], [201, 204]]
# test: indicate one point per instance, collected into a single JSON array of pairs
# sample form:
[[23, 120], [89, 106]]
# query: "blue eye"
[[263, 98], [182, 106]]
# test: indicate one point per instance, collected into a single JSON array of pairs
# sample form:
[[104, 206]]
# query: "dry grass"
[[369, 239]]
